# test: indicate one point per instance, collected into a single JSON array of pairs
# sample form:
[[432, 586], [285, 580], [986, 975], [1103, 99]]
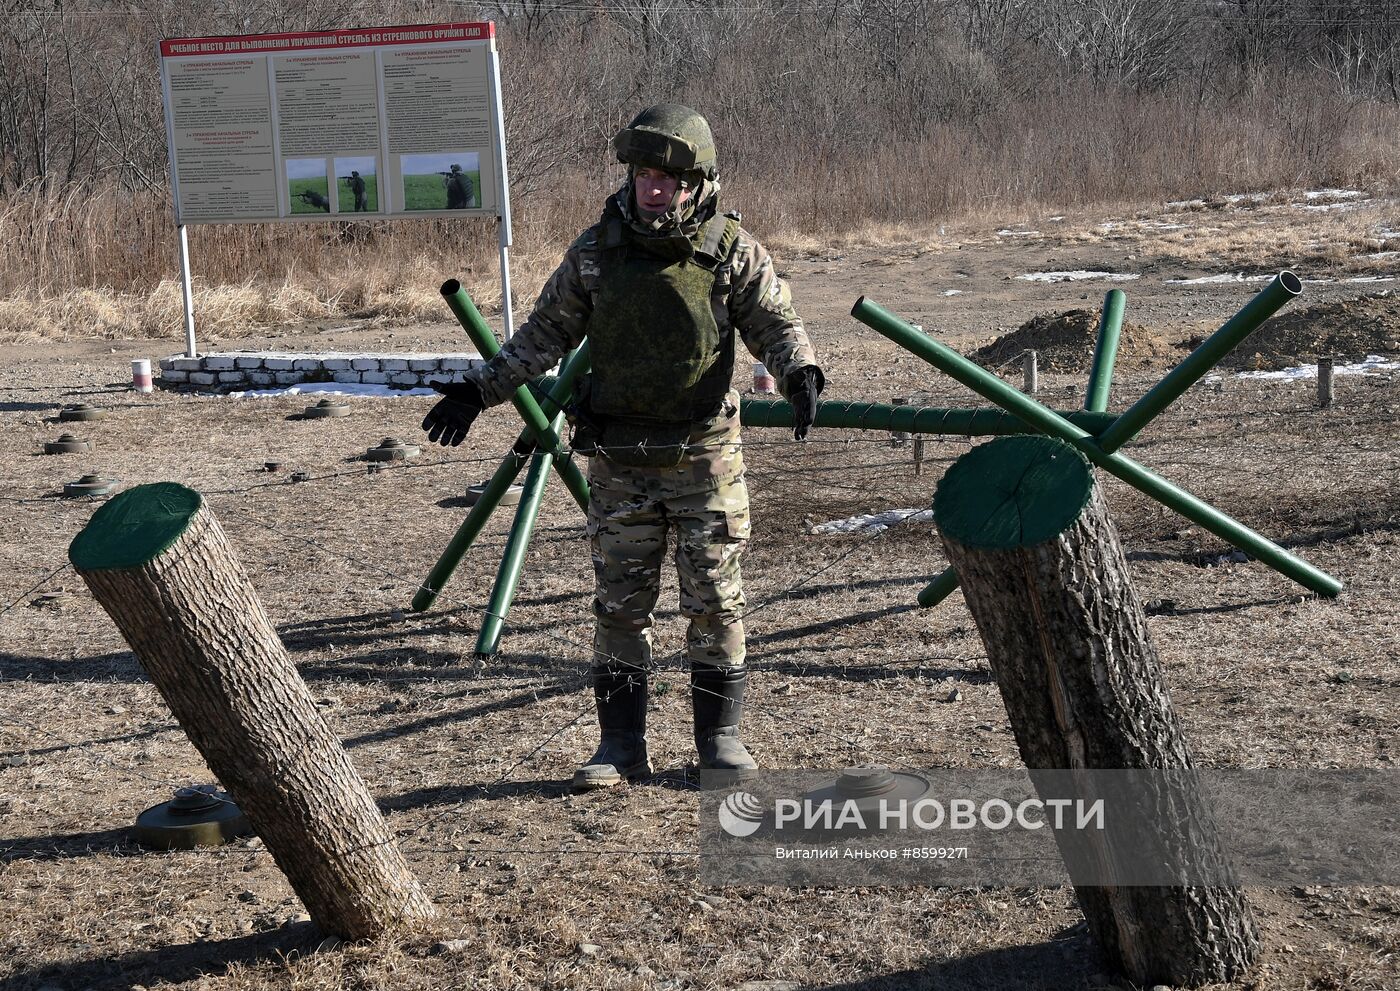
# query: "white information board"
[[354, 124], [351, 124]]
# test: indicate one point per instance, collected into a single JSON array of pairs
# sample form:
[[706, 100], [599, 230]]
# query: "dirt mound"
[[1349, 330], [1064, 342]]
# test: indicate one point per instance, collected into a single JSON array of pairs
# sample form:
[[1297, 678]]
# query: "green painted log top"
[[1012, 492], [135, 528]]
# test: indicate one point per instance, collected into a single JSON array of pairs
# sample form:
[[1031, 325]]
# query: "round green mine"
[[1013, 492], [134, 528]]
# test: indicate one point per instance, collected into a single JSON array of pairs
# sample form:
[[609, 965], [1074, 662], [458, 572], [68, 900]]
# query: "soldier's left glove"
[[449, 421], [802, 387]]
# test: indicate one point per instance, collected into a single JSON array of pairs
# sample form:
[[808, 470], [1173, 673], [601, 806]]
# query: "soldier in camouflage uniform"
[[659, 285]]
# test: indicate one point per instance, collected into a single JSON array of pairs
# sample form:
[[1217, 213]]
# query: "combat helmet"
[[668, 136]]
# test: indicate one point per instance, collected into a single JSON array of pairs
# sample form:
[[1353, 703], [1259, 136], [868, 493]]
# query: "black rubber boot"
[[621, 695], [717, 695]]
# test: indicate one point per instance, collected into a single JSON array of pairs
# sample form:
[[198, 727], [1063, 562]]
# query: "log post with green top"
[[158, 562], [1047, 583]]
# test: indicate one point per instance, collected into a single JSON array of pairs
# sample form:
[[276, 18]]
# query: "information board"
[[351, 124]]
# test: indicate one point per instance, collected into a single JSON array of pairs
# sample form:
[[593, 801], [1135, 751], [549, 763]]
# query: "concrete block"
[[406, 378], [365, 364], [311, 364], [249, 361], [424, 364], [286, 378], [174, 375], [229, 378], [278, 364], [374, 378], [186, 364], [218, 363], [345, 376], [202, 378], [334, 364], [393, 364], [259, 378], [459, 364]]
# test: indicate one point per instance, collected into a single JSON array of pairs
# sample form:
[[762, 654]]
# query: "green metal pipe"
[[1046, 421], [488, 640], [501, 480], [939, 589], [911, 419], [1200, 361], [524, 401], [1105, 353]]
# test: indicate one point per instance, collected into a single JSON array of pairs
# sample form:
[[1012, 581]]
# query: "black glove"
[[802, 387], [449, 421]]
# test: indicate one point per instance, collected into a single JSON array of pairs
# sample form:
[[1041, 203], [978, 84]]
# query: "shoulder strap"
[[611, 236], [720, 235]]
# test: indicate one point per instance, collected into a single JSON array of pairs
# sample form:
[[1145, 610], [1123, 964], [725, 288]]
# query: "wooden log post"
[[158, 562], [1046, 581], [1325, 367]]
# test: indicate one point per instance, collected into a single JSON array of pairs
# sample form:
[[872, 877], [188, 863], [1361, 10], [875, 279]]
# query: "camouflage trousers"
[[628, 532]]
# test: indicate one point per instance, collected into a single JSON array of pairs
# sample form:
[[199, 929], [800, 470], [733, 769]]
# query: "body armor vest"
[[658, 353]]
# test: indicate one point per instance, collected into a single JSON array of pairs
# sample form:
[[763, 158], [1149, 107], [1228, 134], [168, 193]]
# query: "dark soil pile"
[[1064, 342], [1348, 330]]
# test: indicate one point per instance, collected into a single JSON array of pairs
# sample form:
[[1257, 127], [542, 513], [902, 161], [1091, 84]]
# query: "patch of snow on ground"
[[951, 292], [875, 522], [1054, 220], [1011, 233], [1335, 194], [1373, 363], [1226, 277], [1383, 254], [1185, 204], [1330, 206], [1386, 233], [332, 389], [1077, 276]]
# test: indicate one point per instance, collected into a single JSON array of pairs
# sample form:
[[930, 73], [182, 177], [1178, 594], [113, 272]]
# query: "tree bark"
[[1047, 583], [158, 562]]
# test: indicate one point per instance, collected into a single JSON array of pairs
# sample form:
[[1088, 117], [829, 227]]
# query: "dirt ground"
[[468, 761]]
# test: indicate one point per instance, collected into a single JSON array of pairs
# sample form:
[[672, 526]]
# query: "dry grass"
[[846, 671]]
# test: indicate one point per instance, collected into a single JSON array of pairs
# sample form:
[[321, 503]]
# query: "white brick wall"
[[262, 369]]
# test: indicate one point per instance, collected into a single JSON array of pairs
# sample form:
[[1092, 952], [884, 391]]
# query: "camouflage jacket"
[[757, 304]]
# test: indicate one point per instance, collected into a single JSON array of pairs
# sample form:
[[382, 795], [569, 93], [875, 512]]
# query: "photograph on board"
[[308, 189], [357, 184], [448, 180]]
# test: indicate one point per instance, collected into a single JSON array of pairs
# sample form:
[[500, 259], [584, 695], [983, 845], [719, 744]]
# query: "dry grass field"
[[546, 889]]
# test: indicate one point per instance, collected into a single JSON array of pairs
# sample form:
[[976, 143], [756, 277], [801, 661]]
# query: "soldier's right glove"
[[449, 421], [802, 388]]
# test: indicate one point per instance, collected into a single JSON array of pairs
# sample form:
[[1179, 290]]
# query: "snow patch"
[[1226, 277], [874, 522], [1078, 275], [1320, 207], [951, 292], [332, 389], [1373, 363], [1333, 194], [1011, 233]]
